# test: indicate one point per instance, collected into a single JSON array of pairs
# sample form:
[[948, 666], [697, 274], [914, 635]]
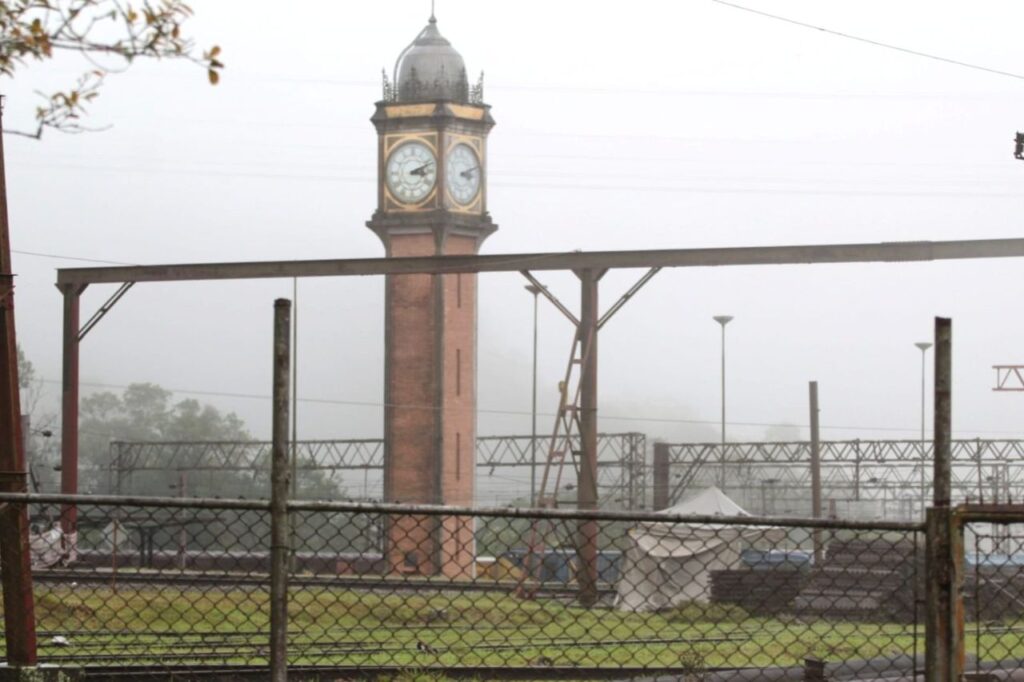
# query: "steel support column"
[[587, 491], [69, 406]]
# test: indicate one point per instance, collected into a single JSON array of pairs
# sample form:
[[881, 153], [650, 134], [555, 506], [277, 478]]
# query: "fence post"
[[661, 476], [279, 474], [815, 470], [944, 653]]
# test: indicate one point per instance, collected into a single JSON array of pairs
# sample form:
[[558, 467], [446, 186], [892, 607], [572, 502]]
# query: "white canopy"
[[669, 563]]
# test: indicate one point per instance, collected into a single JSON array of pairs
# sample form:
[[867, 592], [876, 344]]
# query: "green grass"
[[359, 627]]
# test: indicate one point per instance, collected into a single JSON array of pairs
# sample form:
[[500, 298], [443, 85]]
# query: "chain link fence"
[[170, 586], [993, 593]]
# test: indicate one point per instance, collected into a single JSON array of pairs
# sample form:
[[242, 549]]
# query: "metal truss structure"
[[621, 461], [1009, 377], [859, 478]]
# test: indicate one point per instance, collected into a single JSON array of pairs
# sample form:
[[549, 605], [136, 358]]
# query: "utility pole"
[[923, 346], [18, 600], [723, 320]]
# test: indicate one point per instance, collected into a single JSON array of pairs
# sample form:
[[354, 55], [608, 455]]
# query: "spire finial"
[[433, 19]]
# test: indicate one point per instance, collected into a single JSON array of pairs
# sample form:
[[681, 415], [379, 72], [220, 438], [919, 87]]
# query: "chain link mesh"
[[378, 588], [993, 594]]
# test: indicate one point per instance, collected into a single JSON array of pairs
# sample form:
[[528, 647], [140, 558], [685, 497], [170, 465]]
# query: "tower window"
[[458, 371]]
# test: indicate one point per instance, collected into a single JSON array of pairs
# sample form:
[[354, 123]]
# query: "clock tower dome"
[[432, 131]]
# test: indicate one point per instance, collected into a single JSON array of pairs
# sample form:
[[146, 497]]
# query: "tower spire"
[[433, 19]]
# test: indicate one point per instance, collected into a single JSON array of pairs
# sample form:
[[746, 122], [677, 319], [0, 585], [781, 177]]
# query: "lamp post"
[[723, 320], [533, 409], [923, 346]]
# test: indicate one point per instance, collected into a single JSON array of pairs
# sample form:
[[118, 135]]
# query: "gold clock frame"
[[389, 143], [476, 143]]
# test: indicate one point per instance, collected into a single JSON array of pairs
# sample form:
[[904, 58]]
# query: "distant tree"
[[102, 31], [145, 412]]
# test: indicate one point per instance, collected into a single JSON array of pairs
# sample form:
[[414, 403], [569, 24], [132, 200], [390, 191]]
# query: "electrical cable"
[[870, 41], [526, 413]]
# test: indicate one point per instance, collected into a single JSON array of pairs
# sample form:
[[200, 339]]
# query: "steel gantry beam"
[[574, 260], [72, 281]]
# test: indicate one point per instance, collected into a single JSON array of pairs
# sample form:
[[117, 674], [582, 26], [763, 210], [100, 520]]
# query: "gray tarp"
[[667, 564]]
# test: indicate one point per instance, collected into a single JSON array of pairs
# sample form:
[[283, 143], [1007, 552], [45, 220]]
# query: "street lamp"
[[723, 320], [533, 410], [924, 346]]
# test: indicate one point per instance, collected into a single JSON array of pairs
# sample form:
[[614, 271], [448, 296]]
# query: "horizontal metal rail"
[[573, 260], [439, 510]]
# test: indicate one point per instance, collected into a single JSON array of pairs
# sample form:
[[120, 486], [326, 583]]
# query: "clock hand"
[[422, 170], [466, 173]]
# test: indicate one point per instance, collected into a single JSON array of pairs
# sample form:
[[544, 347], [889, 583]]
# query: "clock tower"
[[432, 131]]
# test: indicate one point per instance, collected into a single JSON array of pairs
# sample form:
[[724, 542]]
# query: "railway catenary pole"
[[18, 600], [587, 490], [279, 475]]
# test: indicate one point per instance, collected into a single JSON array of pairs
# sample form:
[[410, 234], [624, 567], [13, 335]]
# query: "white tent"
[[669, 563]]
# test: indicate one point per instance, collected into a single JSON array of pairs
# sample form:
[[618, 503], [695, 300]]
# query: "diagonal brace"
[[626, 296], [104, 309], [551, 297]]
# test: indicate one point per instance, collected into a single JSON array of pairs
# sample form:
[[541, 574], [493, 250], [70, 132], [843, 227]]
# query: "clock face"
[[463, 174], [411, 172]]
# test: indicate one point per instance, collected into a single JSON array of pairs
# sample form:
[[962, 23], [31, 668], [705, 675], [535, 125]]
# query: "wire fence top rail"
[[451, 510]]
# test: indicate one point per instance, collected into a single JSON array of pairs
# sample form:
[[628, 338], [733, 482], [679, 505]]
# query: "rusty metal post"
[[944, 656], [587, 488], [279, 475], [661, 476], [69, 409], [815, 470], [15, 558]]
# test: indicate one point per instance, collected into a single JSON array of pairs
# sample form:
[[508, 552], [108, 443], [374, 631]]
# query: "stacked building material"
[[758, 592], [864, 579]]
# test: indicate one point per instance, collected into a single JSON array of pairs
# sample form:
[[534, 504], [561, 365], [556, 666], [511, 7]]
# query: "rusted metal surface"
[[280, 544], [576, 260], [18, 600]]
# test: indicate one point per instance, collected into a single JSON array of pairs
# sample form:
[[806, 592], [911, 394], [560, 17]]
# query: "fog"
[[640, 125]]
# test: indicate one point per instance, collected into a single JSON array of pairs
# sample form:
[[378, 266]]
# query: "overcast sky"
[[636, 125]]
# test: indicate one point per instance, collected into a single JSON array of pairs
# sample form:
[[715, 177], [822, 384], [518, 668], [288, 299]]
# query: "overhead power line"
[[526, 413], [869, 41]]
